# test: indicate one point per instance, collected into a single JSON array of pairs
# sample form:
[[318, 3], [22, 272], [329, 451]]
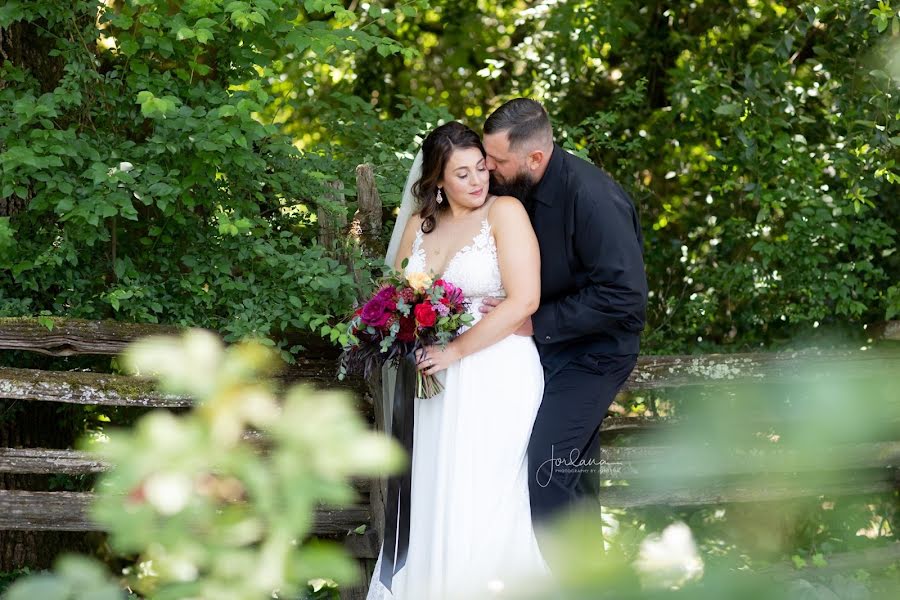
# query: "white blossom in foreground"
[[168, 493], [669, 560]]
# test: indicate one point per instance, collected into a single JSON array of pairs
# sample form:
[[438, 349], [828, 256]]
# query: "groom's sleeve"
[[613, 300]]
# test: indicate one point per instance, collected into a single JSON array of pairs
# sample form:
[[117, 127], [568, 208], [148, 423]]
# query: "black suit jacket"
[[593, 283]]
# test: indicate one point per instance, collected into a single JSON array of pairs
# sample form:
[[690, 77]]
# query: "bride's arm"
[[406, 242], [520, 270]]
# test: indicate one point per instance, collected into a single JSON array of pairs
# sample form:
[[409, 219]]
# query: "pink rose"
[[378, 311]]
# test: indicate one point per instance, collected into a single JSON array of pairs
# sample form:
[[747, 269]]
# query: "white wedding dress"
[[471, 533]]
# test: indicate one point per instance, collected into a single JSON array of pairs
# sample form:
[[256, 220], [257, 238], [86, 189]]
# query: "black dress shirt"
[[593, 284]]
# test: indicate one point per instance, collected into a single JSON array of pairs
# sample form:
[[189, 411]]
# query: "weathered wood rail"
[[866, 467], [70, 336], [635, 462]]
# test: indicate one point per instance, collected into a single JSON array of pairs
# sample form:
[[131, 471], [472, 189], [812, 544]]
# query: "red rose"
[[425, 314], [407, 331]]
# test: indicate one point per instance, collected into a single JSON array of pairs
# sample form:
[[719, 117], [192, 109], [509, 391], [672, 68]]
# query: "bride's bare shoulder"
[[413, 224], [505, 209]]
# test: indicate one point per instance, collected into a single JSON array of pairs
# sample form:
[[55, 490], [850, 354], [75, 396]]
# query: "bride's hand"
[[432, 359]]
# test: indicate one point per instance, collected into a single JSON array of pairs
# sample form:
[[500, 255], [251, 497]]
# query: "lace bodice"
[[474, 268]]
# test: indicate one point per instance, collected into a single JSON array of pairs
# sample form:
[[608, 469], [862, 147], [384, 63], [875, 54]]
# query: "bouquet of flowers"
[[405, 314]]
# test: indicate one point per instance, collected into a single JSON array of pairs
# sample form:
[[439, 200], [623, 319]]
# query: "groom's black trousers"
[[566, 430]]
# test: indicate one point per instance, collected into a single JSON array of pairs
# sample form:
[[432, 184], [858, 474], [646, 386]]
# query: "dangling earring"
[[439, 198]]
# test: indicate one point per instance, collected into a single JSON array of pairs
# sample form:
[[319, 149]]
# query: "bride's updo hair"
[[436, 151]]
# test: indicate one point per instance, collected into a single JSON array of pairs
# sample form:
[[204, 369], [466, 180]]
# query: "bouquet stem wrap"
[[399, 498]]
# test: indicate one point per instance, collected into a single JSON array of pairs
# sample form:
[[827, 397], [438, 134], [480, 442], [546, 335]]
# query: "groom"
[[593, 293]]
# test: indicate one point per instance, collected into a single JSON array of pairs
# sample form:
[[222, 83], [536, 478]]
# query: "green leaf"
[[139, 67], [731, 109], [10, 12], [235, 6], [128, 46], [46, 321], [165, 46], [299, 40], [150, 19], [204, 35], [121, 21], [65, 205]]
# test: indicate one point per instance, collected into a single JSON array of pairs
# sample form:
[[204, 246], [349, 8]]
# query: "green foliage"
[[155, 185], [758, 139], [757, 143]]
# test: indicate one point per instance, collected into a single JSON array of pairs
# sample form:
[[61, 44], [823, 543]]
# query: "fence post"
[[332, 224], [366, 226]]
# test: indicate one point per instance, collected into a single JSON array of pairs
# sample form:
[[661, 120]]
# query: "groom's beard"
[[519, 186]]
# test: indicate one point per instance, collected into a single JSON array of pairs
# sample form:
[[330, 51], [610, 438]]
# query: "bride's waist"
[[474, 307]]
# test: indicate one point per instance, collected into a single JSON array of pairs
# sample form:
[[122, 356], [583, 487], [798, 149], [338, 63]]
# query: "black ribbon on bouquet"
[[399, 497]]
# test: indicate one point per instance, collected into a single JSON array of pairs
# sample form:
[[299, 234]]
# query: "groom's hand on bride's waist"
[[489, 303]]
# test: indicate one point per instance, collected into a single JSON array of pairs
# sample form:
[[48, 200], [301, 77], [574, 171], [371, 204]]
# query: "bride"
[[470, 528]]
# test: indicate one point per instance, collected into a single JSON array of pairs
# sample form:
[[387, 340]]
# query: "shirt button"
[[547, 338]]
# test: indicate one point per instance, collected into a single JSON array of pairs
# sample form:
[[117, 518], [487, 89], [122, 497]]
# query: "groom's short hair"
[[524, 120]]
